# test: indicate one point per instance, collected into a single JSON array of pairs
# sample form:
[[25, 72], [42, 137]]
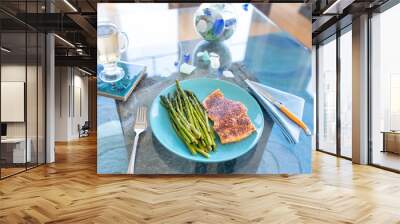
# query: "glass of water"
[[111, 43]]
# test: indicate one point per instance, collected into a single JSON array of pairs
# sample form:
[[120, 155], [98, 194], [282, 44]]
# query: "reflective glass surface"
[[327, 97], [346, 94], [159, 37], [22, 60], [385, 89]]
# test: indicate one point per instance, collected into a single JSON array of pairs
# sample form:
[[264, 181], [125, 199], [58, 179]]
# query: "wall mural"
[[202, 89]]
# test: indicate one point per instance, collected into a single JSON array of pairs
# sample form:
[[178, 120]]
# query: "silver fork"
[[139, 127]]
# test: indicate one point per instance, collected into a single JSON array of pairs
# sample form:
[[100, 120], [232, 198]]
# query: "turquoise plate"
[[165, 133]]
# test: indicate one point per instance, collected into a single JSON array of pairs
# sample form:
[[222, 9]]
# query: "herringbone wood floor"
[[70, 191]]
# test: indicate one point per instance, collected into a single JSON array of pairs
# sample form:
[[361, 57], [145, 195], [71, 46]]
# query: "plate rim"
[[259, 133]]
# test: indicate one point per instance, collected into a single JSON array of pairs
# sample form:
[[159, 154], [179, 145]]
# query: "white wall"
[[79, 117], [12, 73], [70, 83], [62, 82], [13, 101], [34, 124]]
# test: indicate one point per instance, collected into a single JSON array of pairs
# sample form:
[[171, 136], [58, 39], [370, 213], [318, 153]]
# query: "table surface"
[[158, 38]]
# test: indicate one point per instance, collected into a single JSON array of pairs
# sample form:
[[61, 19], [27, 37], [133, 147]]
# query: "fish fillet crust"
[[230, 118]]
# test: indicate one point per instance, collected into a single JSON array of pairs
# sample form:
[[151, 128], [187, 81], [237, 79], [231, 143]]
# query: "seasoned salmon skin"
[[230, 118]]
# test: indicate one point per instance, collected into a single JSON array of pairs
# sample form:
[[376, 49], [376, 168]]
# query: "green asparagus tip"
[[203, 153]]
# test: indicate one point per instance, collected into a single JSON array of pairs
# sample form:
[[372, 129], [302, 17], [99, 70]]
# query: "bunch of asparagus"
[[190, 121]]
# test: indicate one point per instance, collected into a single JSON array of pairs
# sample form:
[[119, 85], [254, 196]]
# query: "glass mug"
[[109, 50]]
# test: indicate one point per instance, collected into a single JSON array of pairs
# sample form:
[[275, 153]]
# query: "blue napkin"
[[294, 103]]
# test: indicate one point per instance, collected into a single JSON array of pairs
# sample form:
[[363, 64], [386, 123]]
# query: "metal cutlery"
[[139, 126], [264, 93]]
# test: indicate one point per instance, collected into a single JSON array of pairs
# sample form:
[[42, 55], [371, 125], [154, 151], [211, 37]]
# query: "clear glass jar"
[[215, 21]]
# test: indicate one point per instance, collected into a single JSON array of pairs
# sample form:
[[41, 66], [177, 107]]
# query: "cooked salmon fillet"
[[230, 118]]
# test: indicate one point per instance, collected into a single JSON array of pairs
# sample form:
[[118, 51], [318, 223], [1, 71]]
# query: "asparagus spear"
[[202, 113], [185, 140], [203, 153], [185, 102], [189, 120], [195, 132], [178, 121], [204, 130]]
